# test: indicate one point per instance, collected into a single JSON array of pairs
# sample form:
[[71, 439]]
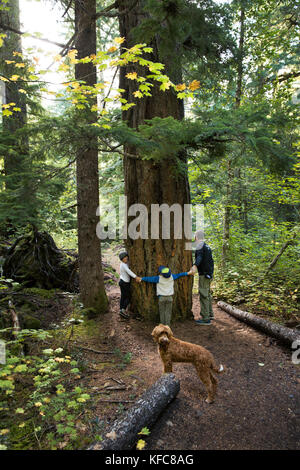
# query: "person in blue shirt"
[[165, 291]]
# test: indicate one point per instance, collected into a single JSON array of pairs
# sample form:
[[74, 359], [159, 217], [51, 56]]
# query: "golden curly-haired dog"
[[172, 350]]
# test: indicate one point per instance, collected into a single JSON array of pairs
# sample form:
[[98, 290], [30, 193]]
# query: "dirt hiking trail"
[[257, 404]]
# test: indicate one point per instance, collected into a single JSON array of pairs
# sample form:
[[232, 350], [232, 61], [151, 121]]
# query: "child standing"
[[165, 291], [124, 283]]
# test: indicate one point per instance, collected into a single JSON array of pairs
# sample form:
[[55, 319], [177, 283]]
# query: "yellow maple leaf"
[[119, 40], [132, 76], [23, 91], [14, 78], [20, 65], [4, 431], [112, 49], [9, 61], [140, 444], [57, 57], [194, 85], [138, 94], [72, 54], [180, 87], [59, 359]]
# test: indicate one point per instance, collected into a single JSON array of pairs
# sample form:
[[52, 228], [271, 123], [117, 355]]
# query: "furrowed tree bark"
[[148, 182], [92, 291], [144, 413]]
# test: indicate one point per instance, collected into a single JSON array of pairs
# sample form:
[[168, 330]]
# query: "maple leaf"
[[194, 85], [132, 76], [119, 40], [180, 87]]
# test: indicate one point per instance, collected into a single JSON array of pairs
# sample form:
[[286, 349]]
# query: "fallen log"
[[144, 413], [282, 333]]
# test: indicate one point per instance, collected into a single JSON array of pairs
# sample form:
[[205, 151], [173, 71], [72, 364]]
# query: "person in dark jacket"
[[204, 263]]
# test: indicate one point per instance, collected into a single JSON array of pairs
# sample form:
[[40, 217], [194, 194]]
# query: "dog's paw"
[[209, 401]]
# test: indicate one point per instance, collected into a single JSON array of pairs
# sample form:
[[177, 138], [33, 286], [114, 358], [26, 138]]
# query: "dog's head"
[[162, 335]]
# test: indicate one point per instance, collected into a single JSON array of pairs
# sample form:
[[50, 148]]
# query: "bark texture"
[[91, 284], [148, 182], [144, 413]]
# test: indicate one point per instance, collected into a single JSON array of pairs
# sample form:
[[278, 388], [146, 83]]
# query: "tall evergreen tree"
[[18, 198], [91, 283], [148, 182]]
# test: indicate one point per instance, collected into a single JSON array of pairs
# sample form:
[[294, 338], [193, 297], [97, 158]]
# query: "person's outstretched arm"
[[177, 276], [154, 279]]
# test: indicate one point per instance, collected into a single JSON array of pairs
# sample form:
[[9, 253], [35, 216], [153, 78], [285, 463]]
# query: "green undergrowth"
[[273, 297], [45, 400]]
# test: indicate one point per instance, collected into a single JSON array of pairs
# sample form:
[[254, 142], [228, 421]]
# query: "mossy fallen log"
[[35, 260], [282, 333], [144, 413]]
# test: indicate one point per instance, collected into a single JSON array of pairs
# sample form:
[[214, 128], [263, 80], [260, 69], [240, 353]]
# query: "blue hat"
[[164, 271]]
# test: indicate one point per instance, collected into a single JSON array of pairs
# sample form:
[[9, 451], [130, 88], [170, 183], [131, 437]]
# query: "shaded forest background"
[[215, 125]]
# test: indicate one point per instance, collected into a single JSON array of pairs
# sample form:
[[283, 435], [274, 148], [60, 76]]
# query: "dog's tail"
[[218, 370]]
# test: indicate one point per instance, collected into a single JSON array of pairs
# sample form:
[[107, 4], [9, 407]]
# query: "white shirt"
[[165, 286], [125, 272]]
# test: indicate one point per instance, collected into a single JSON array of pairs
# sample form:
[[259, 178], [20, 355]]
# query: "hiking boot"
[[203, 322], [123, 314]]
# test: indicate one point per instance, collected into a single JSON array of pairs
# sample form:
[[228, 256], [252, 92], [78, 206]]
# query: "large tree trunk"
[[91, 283], [149, 182], [17, 164]]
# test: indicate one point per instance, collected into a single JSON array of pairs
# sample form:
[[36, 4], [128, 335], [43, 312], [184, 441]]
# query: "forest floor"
[[257, 405]]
